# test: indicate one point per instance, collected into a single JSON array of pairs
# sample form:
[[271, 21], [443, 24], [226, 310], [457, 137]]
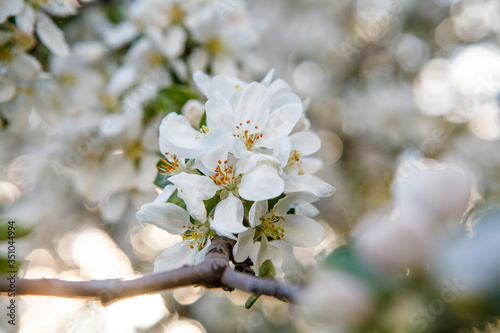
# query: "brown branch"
[[213, 272]]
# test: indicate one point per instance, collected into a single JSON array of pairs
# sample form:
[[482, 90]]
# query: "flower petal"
[[244, 245], [179, 138], [281, 123], [268, 252], [258, 209], [228, 217], [292, 200], [202, 82], [25, 20], [302, 231], [176, 256], [193, 189], [51, 35], [201, 255], [307, 183], [219, 113], [10, 8], [165, 194], [261, 183], [166, 216], [254, 106], [7, 89], [306, 142]]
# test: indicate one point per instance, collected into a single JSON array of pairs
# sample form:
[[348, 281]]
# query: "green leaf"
[[274, 201], [211, 203], [345, 259], [18, 230], [174, 198], [161, 180], [251, 301], [170, 99], [267, 269], [5, 266], [114, 13]]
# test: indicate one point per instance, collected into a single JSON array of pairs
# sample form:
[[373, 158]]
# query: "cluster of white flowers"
[[245, 174]]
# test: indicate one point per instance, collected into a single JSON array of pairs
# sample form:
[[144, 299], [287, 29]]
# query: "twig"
[[213, 272]]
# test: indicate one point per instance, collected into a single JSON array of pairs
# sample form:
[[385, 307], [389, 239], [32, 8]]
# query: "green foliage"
[[345, 259], [161, 180], [251, 301], [170, 99], [267, 269], [174, 198], [114, 13], [20, 231], [211, 203], [5, 265]]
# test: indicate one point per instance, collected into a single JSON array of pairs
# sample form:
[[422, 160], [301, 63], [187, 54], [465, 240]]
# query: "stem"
[[213, 272]]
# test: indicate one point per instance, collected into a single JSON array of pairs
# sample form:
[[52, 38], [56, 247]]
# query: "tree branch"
[[213, 272]]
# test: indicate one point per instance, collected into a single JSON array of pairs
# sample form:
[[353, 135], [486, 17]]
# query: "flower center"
[[294, 158], [169, 165], [177, 14], [198, 234], [224, 175], [215, 46], [204, 130], [271, 226], [249, 139]]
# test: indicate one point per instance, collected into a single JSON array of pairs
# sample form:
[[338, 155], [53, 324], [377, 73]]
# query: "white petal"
[[193, 110], [176, 256], [230, 87], [165, 194], [198, 60], [244, 245], [51, 35], [26, 20], [254, 105], [261, 183], [224, 64], [306, 210], [60, 8], [311, 164], [292, 200], [258, 209], [228, 217], [268, 252], [9, 8], [248, 163], [266, 81], [281, 123], [193, 189], [166, 216], [7, 89], [219, 113], [200, 256], [307, 183], [302, 231], [305, 142], [211, 158], [120, 34], [174, 42], [202, 81], [25, 66], [121, 80], [179, 138]]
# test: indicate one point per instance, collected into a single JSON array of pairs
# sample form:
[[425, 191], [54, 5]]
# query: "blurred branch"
[[213, 272]]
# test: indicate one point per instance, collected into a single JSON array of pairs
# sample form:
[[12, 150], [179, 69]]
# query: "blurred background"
[[392, 86]]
